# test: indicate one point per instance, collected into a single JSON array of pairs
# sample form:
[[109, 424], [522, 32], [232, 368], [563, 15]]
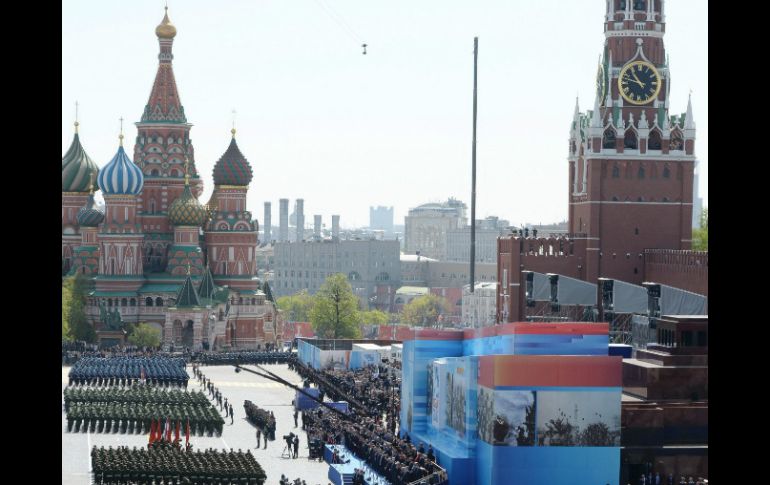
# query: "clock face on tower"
[[639, 82]]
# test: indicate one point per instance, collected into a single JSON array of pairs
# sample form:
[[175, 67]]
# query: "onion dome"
[[232, 168], [76, 167], [186, 210], [165, 30], [121, 176], [90, 216]]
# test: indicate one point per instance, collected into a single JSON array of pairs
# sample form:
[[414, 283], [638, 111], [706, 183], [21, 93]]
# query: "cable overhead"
[[337, 18]]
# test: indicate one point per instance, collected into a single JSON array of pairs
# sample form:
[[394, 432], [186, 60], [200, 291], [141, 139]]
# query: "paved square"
[[236, 388]]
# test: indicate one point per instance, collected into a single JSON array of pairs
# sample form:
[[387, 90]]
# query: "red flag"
[[187, 433], [152, 431], [168, 430], [176, 431]]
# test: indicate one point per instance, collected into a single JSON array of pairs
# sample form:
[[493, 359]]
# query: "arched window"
[[159, 301], [155, 172], [124, 302], [148, 301], [630, 141], [109, 301], [608, 140], [253, 301], [677, 142], [615, 171], [666, 172], [152, 206], [654, 141], [640, 173], [132, 302]]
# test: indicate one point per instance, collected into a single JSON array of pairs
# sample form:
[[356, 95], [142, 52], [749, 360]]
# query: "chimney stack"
[[300, 219], [266, 224], [317, 226], [336, 227], [283, 216]]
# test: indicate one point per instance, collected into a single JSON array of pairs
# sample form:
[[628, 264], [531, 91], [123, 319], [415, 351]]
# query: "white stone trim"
[[627, 202]]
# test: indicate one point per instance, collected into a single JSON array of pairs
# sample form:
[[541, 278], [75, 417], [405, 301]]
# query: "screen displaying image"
[[588, 418], [506, 418]]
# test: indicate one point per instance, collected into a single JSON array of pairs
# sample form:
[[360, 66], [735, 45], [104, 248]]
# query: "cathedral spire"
[[164, 104]]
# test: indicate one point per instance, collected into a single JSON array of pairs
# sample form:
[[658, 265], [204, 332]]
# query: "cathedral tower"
[[231, 236], [162, 144]]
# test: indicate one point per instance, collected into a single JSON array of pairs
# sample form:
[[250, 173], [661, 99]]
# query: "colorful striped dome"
[[121, 176], [187, 211], [76, 168], [232, 168], [90, 216]]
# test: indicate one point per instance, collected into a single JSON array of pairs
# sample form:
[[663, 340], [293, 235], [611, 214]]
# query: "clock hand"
[[637, 79]]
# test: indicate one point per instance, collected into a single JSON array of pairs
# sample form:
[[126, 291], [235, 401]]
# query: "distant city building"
[[417, 270], [373, 268], [458, 244], [478, 308], [426, 226], [381, 217]]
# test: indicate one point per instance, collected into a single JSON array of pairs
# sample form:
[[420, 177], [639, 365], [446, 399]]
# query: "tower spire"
[[233, 130], [187, 170], [120, 137], [76, 117], [689, 122]]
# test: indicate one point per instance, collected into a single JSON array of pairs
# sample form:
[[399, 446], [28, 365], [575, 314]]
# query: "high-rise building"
[[381, 217]]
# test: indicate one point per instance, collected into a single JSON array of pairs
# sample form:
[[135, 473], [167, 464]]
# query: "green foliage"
[[374, 317], [297, 307], [66, 301], [75, 288], [700, 237], [145, 335], [425, 310], [335, 313]]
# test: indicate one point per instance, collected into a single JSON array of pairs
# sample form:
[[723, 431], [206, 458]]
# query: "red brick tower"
[[231, 237], [630, 162], [120, 237], [162, 143], [630, 168], [77, 171]]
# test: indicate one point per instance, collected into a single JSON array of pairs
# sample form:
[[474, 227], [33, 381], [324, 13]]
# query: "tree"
[[700, 237], [297, 306], [335, 313], [66, 301], [145, 335], [79, 328], [374, 317], [425, 310]]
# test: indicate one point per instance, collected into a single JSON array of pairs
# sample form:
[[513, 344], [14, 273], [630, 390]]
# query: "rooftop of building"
[[413, 258]]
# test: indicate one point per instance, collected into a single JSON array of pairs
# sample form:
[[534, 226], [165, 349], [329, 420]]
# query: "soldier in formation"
[[167, 463]]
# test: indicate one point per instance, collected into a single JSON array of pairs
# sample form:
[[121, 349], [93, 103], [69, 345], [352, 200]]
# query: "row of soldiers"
[[244, 357], [215, 394], [109, 371], [137, 417], [264, 420], [168, 464], [136, 394]]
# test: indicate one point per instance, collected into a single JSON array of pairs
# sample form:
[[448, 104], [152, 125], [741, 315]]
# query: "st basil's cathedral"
[[156, 254]]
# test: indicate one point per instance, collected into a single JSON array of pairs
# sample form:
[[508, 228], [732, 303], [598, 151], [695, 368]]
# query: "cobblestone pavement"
[[236, 388]]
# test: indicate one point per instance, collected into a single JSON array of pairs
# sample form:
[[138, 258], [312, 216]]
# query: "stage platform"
[[342, 473]]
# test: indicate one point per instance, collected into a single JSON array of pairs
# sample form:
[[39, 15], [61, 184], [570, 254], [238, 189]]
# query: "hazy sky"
[[320, 121]]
